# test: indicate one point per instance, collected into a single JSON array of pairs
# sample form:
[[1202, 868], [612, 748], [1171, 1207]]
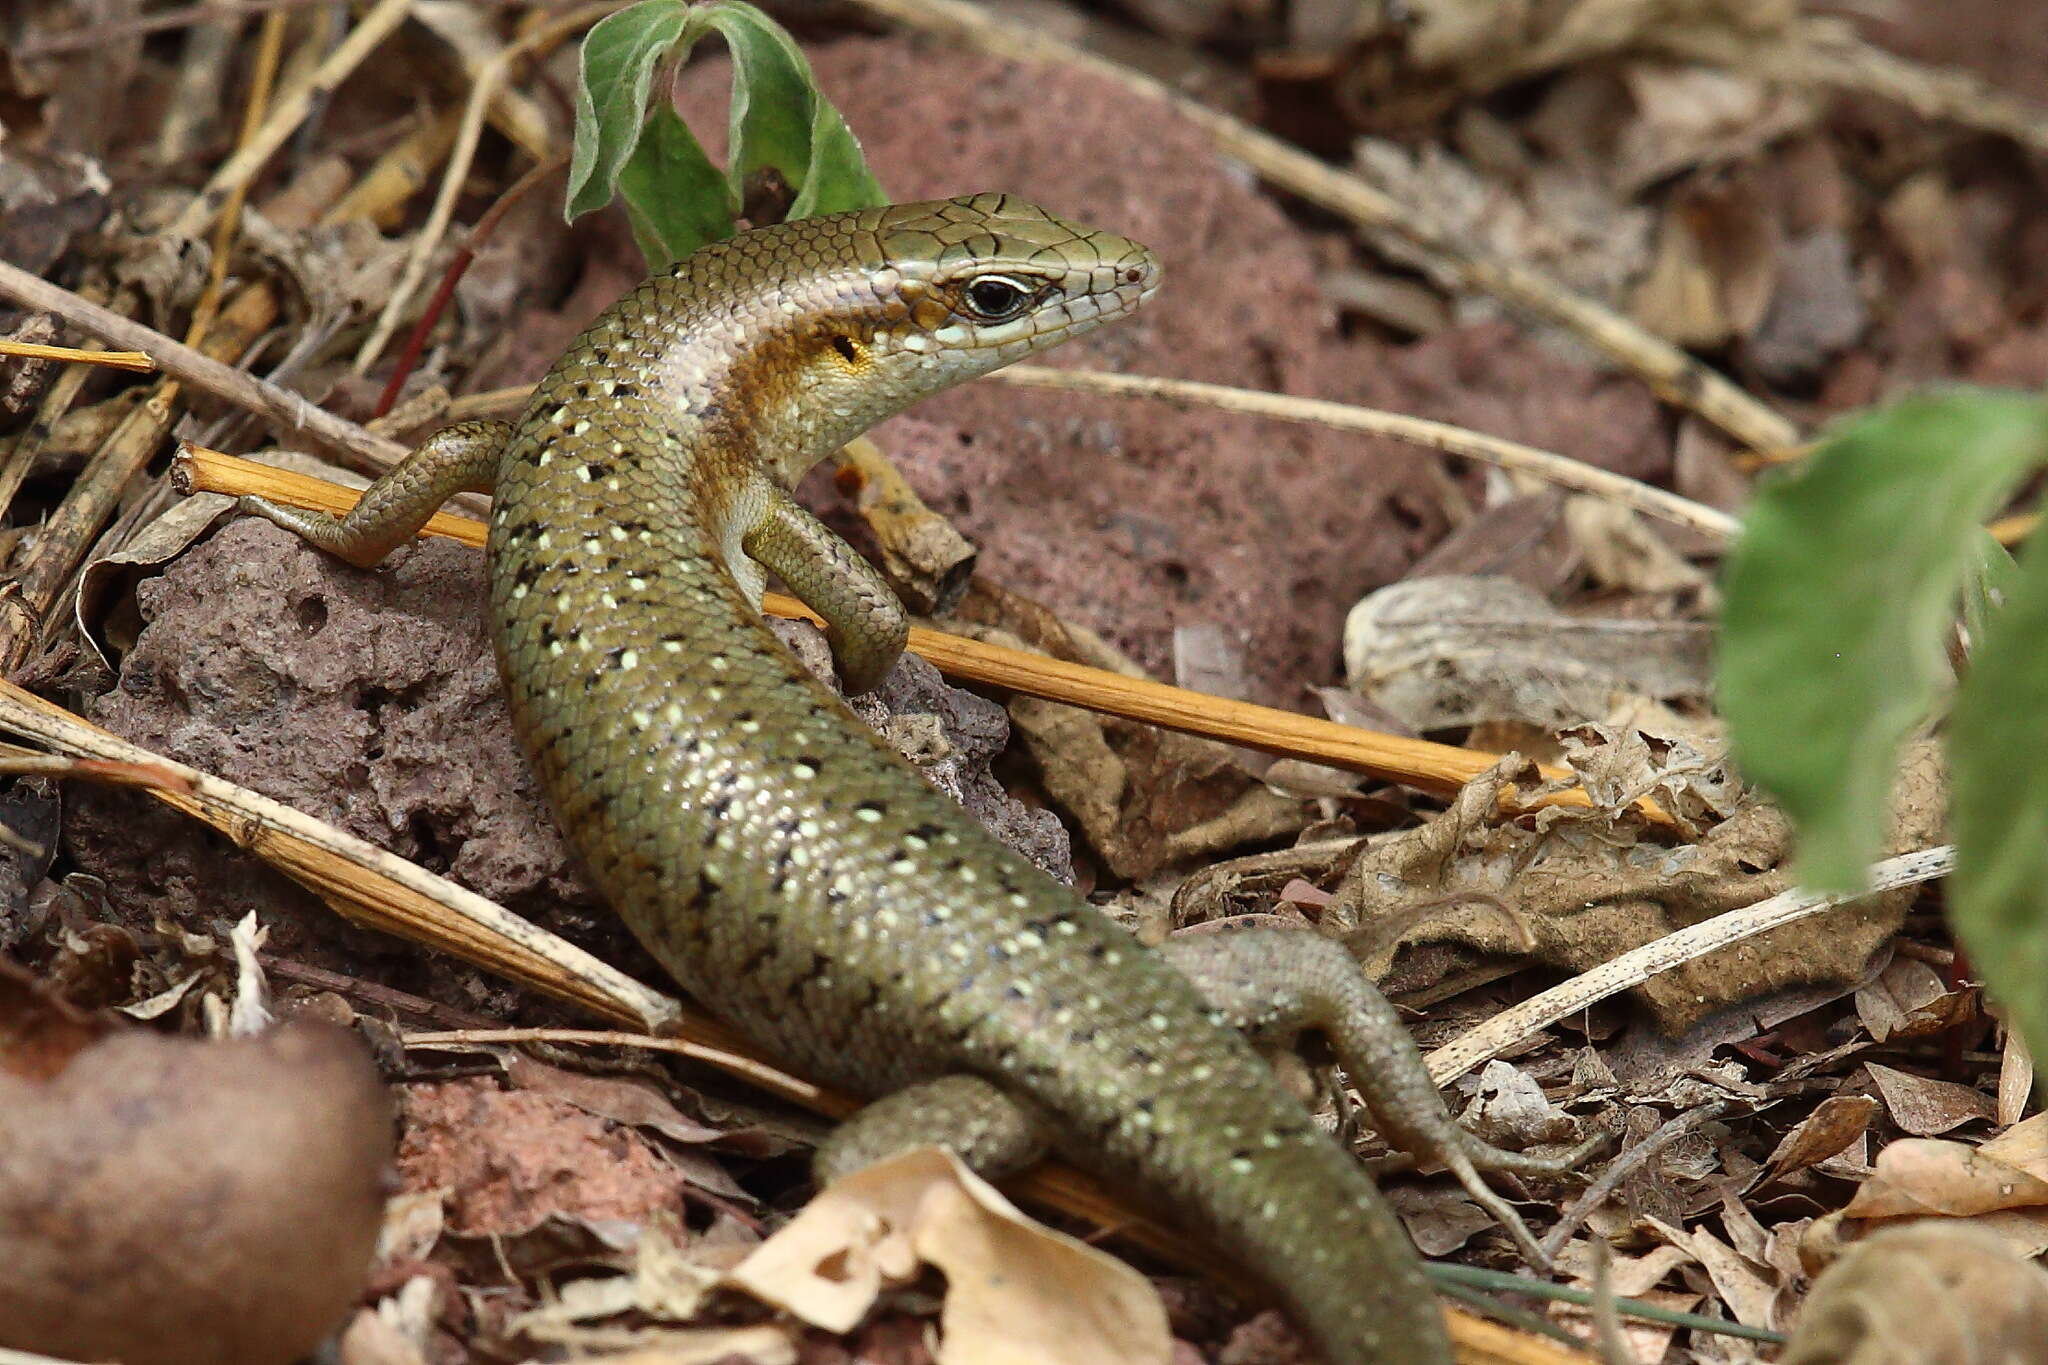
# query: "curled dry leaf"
[[1830, 1129], [1577, 890], [218, 1201], [1909, 999], [1016, 1293], [1923, 1106], [1448, 651], [1924, 1294]]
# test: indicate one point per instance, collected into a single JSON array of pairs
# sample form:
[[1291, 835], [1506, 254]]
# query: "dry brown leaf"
[[1620, 549], [1439, 1218], [413, 1224], [397, 1329], [1016, 1293], [1715, 269], [371, 1339], [1741, 1285], [1908, 999], [1509, 1109], [2024, 1145], [1832, 1127], [1925, 1107], [1924, 1294], [1916, 1176], [1577, 891], [1557, 217], [1690, 115]]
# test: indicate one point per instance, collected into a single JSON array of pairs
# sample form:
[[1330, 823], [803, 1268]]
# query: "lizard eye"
[[997, 298]]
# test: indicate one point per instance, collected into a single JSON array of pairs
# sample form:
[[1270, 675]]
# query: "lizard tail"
[[1287, 1200]]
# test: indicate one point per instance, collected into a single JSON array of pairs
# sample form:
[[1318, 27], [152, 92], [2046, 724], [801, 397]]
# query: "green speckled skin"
[[792, 872]]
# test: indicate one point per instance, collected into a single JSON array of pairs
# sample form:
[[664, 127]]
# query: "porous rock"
[[370, 699]]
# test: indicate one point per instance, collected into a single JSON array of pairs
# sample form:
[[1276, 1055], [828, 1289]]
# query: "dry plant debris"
[[1820, 210], [1017, 1293]]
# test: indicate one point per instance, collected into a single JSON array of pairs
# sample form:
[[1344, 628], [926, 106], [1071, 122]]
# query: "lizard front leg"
[[864, 621], [458, 459], [1276, 983]]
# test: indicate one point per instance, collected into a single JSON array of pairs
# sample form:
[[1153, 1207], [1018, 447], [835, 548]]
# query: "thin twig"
[[119, 360], [1441, 768], [1832, 56], [489, 77], [833, 1103], [142, 776], [1675, 376], [343, 439], [185, 16], [1561, 470], [1621, 1168], [383, 18], [1508, 1028], [416, 342], [373, 993]]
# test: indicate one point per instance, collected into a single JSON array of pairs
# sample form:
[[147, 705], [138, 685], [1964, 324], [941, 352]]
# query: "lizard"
[[790, 871]]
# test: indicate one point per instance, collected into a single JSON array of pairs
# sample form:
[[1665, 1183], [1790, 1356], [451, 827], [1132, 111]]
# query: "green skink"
[[791, 871]]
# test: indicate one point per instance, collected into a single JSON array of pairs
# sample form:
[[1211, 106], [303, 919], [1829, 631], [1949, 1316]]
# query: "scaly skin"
[[790, 870]]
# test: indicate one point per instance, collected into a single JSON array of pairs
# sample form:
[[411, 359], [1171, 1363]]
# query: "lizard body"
[[794, 874]]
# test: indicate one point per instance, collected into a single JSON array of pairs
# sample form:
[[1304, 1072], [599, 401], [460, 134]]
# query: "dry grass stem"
[[1513, 1025], [118, 360], [18, 762], [490, 76], [1675, 376], [382, 19], [363, 882], [269, 47], [290, 412], [1441, 768], [779, 1083], [1833, 56], [1560, 470]]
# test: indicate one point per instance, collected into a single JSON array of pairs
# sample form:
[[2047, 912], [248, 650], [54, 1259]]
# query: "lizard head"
[[989, 279], [887, 306]]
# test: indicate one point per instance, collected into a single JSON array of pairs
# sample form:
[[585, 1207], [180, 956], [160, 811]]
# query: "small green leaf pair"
[[675, 198], [1841, 598]]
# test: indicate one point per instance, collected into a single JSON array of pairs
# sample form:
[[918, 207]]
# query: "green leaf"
[[1998, 753], [1840, 594], [1990, 578], [675, 198], [781, 122], [839, 178], [620, 56]]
